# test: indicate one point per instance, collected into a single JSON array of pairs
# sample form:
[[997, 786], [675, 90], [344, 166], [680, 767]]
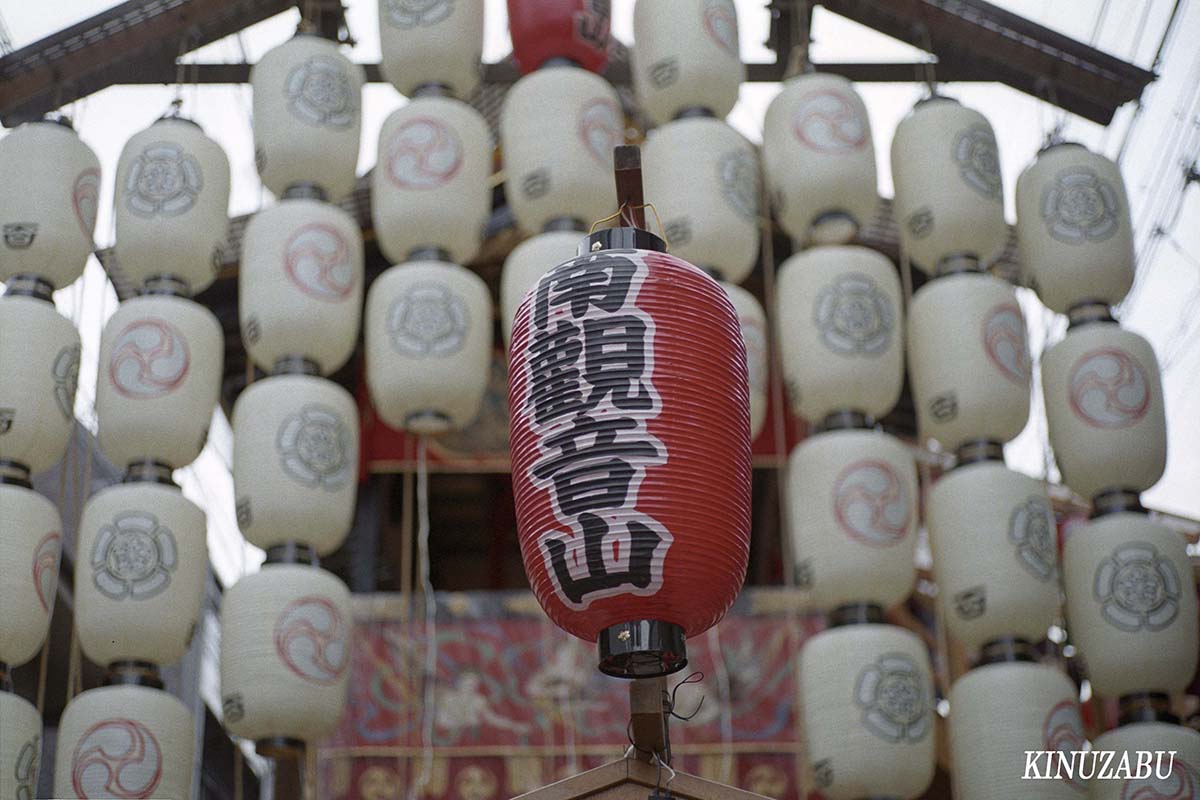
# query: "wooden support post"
[[627, 168], [648, 707]]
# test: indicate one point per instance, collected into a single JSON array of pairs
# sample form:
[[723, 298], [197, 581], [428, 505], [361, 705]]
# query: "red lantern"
[[572, 29], [629, 406]]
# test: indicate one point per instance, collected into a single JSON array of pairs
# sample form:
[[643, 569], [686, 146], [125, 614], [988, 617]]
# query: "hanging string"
[[798, 60], [725, 698], [429, 603], [925, 68]]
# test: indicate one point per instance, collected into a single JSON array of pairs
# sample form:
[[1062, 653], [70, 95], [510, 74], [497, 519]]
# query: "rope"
[[725, 696], [430, 605]]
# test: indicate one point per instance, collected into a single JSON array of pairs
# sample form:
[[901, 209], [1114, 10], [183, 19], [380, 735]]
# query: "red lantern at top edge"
[[630, 444], [573, 29]]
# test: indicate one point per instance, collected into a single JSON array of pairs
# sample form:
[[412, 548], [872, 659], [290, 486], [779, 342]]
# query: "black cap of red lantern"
[[572, 30]]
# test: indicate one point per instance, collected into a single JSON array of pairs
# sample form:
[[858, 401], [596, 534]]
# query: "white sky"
[[1164, 310]]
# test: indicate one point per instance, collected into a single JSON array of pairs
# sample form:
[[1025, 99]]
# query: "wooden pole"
[[648, 727]]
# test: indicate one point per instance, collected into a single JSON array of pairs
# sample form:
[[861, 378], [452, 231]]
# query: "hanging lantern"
[[1174, 771], [1104, 409], [20, 747], [171, 205], [819, 160], [125, 741], [285, 655], [1131, 604], [548, 30], [1000, 712], [429, 346], [49, 202], [867, 695], [429, 190], [968, 360], [686, 57], [840, 328], [431, 42], [853, 501], [30, 544], [160, 375], [995, 554], [949, 198], [1073, 227], [702, 177], [295, 462], [139, 574], [630, 431], [558, 129], [307, 116], [39, 362], [527, 262], [301, 283], [753, 322]]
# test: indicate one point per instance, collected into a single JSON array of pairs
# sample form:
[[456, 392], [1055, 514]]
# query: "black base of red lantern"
[[644, 648], [280, 747]]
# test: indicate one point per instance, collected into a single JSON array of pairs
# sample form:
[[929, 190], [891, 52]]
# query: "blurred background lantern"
[[527, 262], [20, 747], [752, 321], [171, 205], [124, 741], [48, 204], [655, 462], [30, 543], [687, 57], [1073, 227], [949, 204], [867, 695], [286, 636], [436, 43], [819, 160], [1175, 771], [559, 30], [307, 116]]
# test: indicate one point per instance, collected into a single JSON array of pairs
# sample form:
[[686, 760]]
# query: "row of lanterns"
[[634, 519]]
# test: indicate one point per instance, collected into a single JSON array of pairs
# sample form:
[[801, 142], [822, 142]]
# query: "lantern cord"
[[725, 697], [671, 702], [429, 603], [925, 69], [625, 215]]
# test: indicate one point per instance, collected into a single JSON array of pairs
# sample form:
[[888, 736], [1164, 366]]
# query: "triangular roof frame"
[[631, 779]]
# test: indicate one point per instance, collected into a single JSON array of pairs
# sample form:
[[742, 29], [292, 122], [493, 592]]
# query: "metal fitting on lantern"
[[148, 471], [1114, 501], [14, 474], [855, 614], [295, 365], [33, 286], [844, 420], [1006, 650], [432, 89], [1145, 707], [696, 112], [167, 285], [1087, 312], [292, 553], [978, 451], [428, 254], [130, 672], [568, 224], [305, 191], [6, 684], [956, 263], [644, 648]]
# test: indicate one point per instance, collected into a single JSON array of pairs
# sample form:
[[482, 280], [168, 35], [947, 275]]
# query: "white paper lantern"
[[1000, 711], [307, 116], [431, 42], [295, 462], [968, 360], [1073, 227], [48, 202], [949, 198], [686, 57], [1104, 409], [753, 322], [853, 502], [20, 747], [125, 741], [30, 545], [702, 177], [1131, 604], [171, 204], [558, 128], [285, 653], [160, 376], [841, 331], [1177, 777], [429, 346], [819, 160], [995, 553], [867, 695], [139, 574], [527, 262], [429, 188], [301, 284], [39, 370]]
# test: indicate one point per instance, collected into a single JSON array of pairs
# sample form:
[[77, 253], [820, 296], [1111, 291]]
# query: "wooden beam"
[[648, 727]]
